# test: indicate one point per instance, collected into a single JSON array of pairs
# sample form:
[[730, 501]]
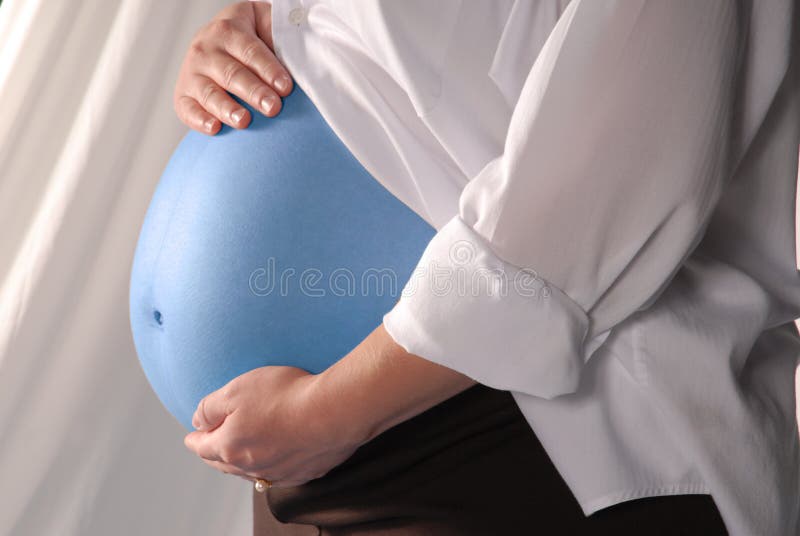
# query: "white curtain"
[[86, 128]]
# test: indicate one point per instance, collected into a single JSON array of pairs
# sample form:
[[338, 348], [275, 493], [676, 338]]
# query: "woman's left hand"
[[267, 424]]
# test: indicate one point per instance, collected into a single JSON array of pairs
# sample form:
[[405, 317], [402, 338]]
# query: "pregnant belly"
[[265, 246]]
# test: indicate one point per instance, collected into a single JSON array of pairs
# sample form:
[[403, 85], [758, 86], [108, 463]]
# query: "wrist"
[[335, 413], [377, 386]]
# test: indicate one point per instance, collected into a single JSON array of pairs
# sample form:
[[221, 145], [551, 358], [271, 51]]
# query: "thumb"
[[210, 412]]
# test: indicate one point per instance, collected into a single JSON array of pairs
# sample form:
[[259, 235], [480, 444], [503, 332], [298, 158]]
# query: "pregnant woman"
[[589, 140]]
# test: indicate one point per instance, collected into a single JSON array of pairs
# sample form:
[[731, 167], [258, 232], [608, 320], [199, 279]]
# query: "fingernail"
[[209, 125], [237, 115], [282, 83], [267, 103]]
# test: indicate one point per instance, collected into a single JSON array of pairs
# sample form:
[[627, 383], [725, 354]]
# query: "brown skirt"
[[470, 465]]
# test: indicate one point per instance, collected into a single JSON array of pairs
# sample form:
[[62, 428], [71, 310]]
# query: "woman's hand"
[[286, 425], [232, 52], [268, 423]]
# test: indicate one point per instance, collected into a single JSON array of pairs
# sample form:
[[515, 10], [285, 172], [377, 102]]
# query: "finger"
[[252, 477], [228, 469], [211, 411], [257, 56], [254, 54], [262, 14], [204, 445], [192, 114], [231, 74], [216, 101]]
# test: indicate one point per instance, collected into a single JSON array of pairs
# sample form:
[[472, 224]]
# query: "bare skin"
[[288, 426], [232, 52], [282, 423]]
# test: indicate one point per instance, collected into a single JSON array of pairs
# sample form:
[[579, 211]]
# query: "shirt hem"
[[610, 499]]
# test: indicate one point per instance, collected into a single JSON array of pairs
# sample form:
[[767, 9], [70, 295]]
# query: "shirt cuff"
[[499, 324]]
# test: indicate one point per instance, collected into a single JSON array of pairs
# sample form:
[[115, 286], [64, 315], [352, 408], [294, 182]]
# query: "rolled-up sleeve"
[[615, 157]]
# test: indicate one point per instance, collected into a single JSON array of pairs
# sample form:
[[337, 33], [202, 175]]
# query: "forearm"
[[379, 385]]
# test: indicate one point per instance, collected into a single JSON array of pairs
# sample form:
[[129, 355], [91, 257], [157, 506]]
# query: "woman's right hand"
[[232, 52]]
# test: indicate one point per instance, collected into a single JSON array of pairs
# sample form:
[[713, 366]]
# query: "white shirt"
[[615, 182]]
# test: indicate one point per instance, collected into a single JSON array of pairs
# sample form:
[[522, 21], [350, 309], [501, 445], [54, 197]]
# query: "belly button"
[[158, 317]]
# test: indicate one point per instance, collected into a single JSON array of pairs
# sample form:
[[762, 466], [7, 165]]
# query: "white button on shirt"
[[613, 185], [297, 15]]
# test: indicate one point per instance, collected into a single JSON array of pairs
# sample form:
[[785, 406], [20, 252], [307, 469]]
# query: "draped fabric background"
[[86, 128]]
